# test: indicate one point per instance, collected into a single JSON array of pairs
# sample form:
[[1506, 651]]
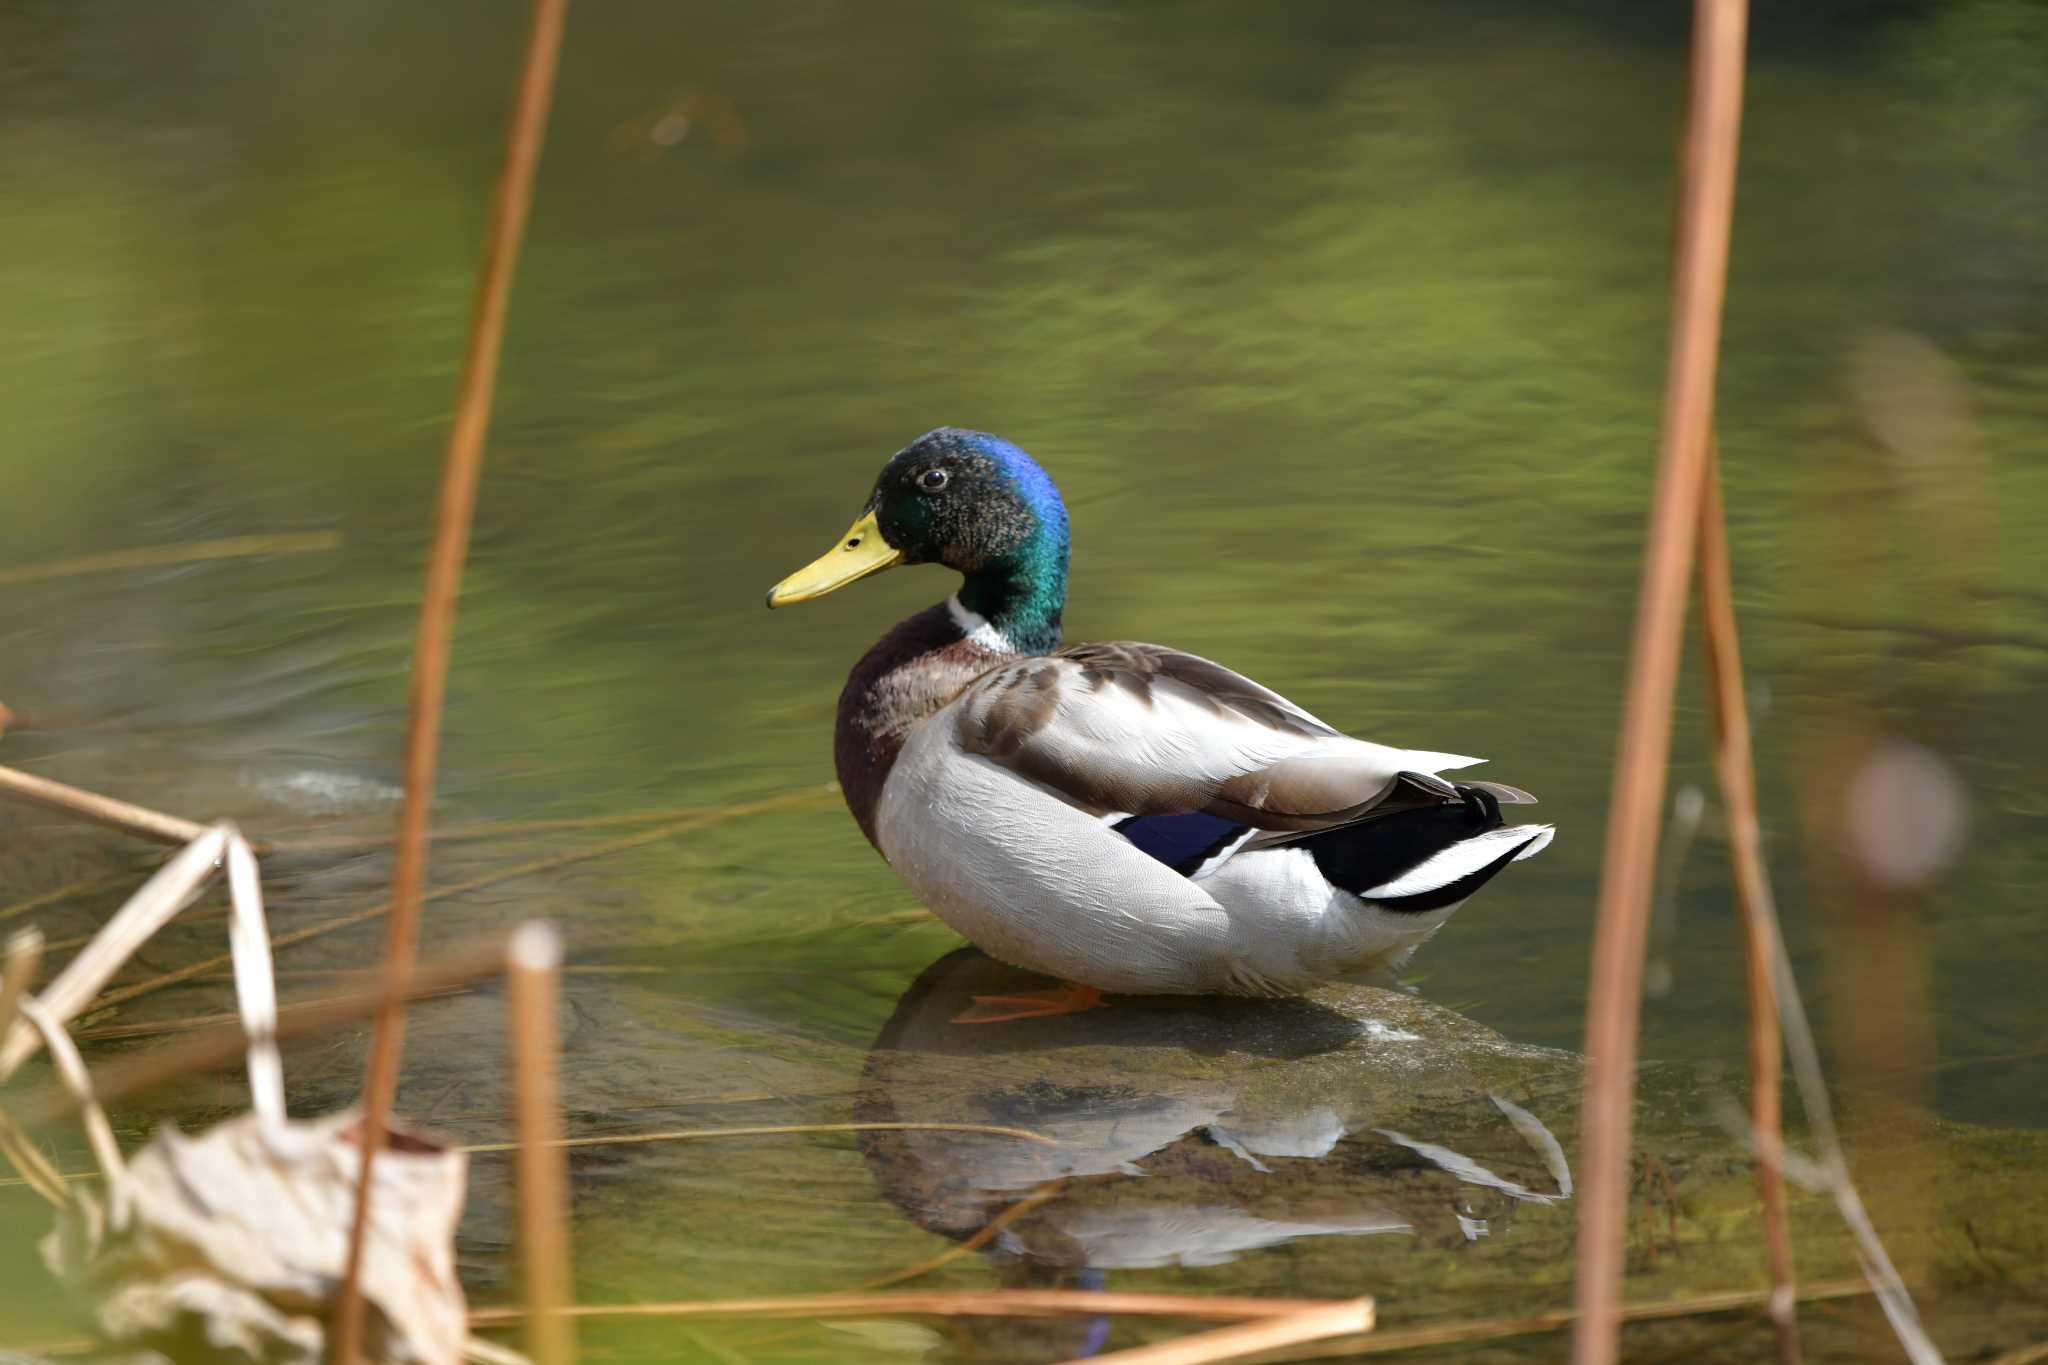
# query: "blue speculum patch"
[[1184, 841]]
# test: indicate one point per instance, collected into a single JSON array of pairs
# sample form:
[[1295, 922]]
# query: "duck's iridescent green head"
[[972, 502]]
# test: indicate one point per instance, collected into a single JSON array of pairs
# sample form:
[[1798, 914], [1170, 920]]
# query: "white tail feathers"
[[1424, 761], [1462, 859]]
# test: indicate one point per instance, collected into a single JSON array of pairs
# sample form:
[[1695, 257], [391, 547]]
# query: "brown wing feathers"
[[1244, 771], [1138, 668]]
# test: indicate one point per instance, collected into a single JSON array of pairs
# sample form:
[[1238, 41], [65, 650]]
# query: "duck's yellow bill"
[[860, 552]]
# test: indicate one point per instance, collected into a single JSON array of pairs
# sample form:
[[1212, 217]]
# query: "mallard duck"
[[1126, 817]]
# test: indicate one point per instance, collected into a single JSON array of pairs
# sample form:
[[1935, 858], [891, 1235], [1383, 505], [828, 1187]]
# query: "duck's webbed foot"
[[1001, 1009]]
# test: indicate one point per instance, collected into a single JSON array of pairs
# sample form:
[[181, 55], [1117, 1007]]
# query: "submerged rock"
[[1187, 1131]]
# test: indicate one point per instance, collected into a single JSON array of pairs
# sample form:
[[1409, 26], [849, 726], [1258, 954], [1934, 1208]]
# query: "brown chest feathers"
[[910, 673]]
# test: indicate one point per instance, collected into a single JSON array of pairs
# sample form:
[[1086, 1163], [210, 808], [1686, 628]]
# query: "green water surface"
[[1342, 328]]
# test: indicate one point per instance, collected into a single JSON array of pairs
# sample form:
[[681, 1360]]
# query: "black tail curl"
[[1369, 854]]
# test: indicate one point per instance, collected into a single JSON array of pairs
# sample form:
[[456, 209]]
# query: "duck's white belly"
[[1324, 931], [1036, 882]]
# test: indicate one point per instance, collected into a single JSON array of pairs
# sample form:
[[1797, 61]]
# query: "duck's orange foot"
[[1001, 1009]]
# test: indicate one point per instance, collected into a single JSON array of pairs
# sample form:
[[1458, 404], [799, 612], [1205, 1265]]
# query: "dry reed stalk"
[[77, 1081], [1734, 764], [983, 1303], [24, 955], [533, 960], [511, 200], [160, 898], [1764, 939], [35, 1169], [255, 985], [1488, 1329], [122, 995], [164, 556], [1614, 999], [1251, 1338], [987, 1233], [1830, 1172], [131, 1076], [100, 810]]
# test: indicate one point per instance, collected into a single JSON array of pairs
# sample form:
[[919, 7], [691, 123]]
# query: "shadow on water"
[[1190, 1131], [1266, 1028]]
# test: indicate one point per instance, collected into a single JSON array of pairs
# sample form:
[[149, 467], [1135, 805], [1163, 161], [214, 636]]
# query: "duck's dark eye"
[[932, 480]]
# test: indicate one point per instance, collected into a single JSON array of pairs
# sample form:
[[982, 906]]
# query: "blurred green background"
[[1341, 326]]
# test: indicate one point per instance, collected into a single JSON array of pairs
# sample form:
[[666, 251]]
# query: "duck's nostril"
[[852, 543]]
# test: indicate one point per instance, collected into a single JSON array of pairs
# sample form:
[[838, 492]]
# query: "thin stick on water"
[[62, 893], [1832, 1165], [148, 910], [124, 816], [1233, 1343], [1615, 991], [162, 556], [255, 981], [460, 474], [788, 800], [533, 960], [194, 1023], [217, 1047], [775, 1130], [997, 1303], [1735, 766], [512, 829], [987, 1233], [994, 1227], [1492, 1329]]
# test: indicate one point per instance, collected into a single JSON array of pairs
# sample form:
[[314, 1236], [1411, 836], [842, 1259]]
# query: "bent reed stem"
[[1614, 999]]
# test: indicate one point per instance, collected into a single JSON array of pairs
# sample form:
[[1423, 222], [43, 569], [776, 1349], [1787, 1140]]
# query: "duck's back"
[[1142, 819]]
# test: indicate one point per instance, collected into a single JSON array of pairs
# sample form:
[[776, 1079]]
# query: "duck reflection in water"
[[1187, 1132]]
